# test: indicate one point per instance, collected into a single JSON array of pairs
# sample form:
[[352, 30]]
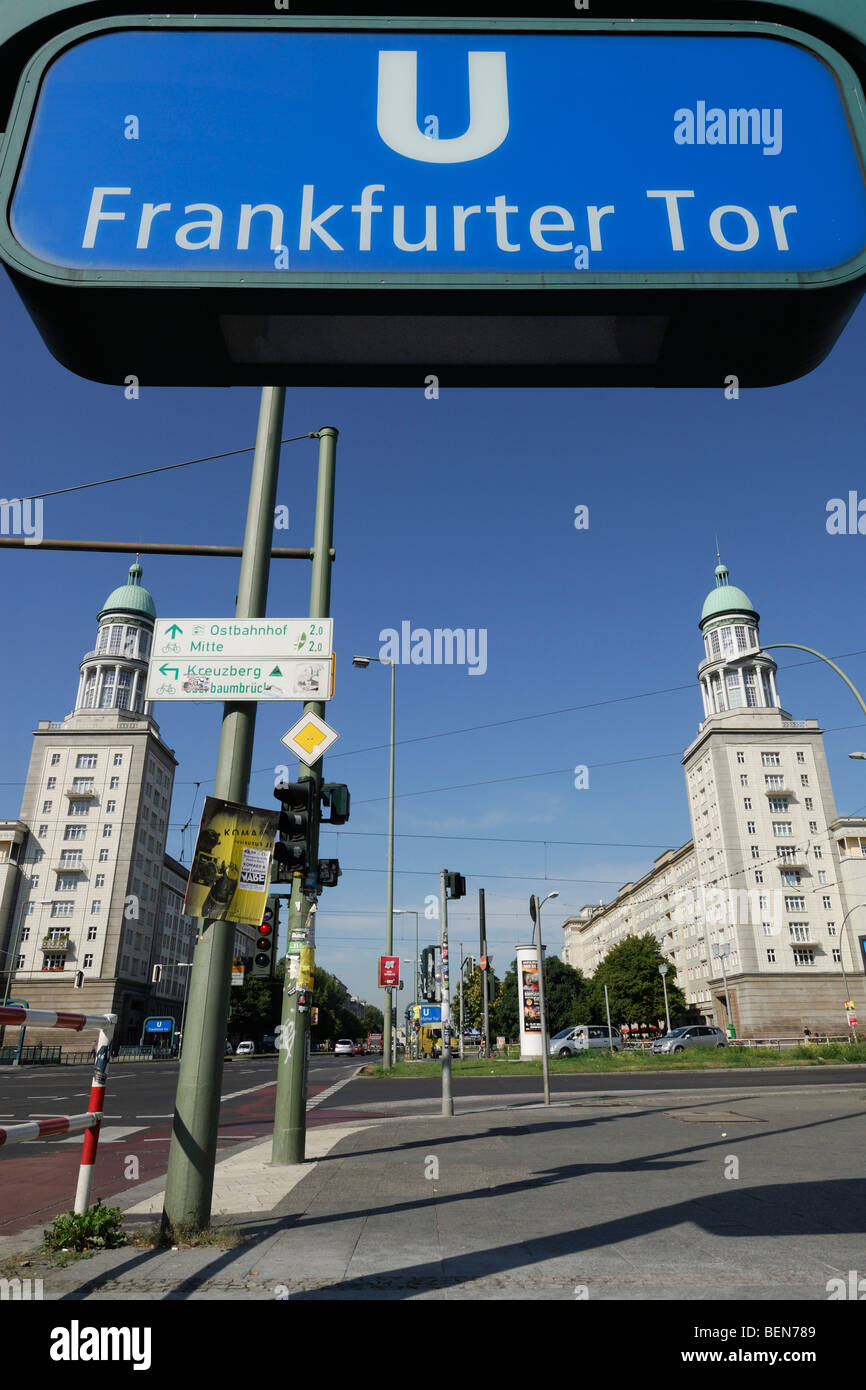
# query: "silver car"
[[344, 1047], [583, 1037], [694, 1035]]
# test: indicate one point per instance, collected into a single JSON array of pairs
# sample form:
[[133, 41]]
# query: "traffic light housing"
[[293, 851], [335, 795], [329, 872], [455, 885], [265, 944]]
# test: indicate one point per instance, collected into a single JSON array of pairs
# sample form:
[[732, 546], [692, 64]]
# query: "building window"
[[100, 880], [53, 960], [763, 902], [86, 760], [785, 853], [778, 803], [62, 909], [801, 757], [43, 830], [795, 904], [837, 955], [106, 832], [799, 931], [744, 779], [773, 782], [804, 780], [106, 694], [55, 759], [831, 928], [759, 876], [741, 757], [51, 784], [110, 806], [791, 878], [115, 638], [70, 856], [124, 689], [118, 759], [782, 828], [771, 956], [95, 906], [747, 803], [822, 876], [88, 962], [82, 784], [75, 832], [114, 784], [92, 933], [768, 928], [66, 883], [756, 853], [808, 803], [79, 808], [813, 826], [750, 827], [103, 856], [25, 934], [802, 957], [818, 852], [770, 760]]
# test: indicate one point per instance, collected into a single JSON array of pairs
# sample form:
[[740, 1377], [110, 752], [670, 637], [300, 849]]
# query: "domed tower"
[[114, 674], [732, 674]]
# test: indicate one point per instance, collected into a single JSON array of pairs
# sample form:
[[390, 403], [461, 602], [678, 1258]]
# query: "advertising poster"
[[229, 877], [529, 993]]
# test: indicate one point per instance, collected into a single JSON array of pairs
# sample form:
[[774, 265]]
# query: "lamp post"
[[362, 662], [535, 912], [663, 970]]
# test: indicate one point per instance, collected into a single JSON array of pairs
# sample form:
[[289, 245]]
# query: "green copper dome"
[[130, 598], [725, 598]]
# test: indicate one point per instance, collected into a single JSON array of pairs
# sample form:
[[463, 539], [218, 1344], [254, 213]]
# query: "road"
[[38, 1178]]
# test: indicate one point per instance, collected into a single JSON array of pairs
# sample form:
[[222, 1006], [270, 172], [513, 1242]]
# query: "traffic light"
[[157, 974], [265, 944], [455, 886], [329, 872], [428, 974], [336, 796], [293, 852]]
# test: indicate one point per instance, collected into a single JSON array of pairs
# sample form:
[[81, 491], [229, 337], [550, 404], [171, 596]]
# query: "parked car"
[[344, 1047], [583, 1037], [694, 1035], [245, 1049]]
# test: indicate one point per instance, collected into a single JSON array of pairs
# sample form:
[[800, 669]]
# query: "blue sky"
[[459, 513]]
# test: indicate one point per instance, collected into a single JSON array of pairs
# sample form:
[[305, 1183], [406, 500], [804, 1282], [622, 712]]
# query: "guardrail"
[[68, 1124]]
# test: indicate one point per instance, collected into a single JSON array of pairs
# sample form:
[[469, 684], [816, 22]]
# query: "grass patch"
[[167, 1234], [700, 1059]]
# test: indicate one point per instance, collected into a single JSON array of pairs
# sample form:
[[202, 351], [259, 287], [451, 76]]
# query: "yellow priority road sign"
[[309, 738]]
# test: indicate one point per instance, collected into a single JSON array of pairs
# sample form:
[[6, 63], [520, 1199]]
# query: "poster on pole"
[[530, 996], [230, 872]]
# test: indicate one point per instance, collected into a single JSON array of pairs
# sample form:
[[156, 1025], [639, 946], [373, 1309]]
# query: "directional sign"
[[431, 1013], [310, 738], [577, 197], [241, 659]]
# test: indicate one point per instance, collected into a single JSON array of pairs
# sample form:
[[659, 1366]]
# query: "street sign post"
[[196, 659], [607, 200]]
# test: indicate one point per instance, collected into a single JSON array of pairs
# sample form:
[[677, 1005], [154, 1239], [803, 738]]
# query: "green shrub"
[[97, 1229]]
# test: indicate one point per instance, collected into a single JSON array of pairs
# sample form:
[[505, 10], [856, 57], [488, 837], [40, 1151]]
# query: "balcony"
[[797, 860], [81, 793], [784, 790], [60, 942], [67, 868]]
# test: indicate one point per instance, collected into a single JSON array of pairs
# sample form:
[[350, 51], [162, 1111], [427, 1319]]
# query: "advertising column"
[[528, 1007]]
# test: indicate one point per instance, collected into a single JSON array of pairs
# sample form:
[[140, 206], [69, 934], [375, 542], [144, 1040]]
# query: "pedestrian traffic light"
[[428, 974], [336, 796], [265, 944], [329, 872], [293, 852], [455, 885]]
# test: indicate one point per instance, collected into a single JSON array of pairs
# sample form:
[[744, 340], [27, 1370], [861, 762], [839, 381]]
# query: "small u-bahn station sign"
[[210, 200]]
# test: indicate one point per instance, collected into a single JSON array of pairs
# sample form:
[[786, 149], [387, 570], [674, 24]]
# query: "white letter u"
[[397, 112]]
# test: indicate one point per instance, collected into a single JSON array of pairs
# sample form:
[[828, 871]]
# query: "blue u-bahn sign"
[[536, 195]]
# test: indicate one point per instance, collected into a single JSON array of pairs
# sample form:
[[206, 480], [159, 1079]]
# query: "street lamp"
[[535, 912], [362, 662], [410, 912], [663, 970]]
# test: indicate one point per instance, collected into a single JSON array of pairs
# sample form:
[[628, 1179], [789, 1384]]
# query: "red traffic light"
[[265, 929]]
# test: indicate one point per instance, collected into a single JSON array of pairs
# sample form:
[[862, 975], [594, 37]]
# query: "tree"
[[631, 972], [471, 987], [372, 1019], [504, 1014], [255, 1008]]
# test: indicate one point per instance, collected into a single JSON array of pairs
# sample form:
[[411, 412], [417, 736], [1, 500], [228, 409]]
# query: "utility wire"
[[164, 468]]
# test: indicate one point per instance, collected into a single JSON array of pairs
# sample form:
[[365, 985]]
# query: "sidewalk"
[[600, 1197]]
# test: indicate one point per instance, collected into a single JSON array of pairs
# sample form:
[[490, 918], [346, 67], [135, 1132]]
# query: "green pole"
[[389, 908], [192, 1154], [447, 1098], [290, 1111]]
